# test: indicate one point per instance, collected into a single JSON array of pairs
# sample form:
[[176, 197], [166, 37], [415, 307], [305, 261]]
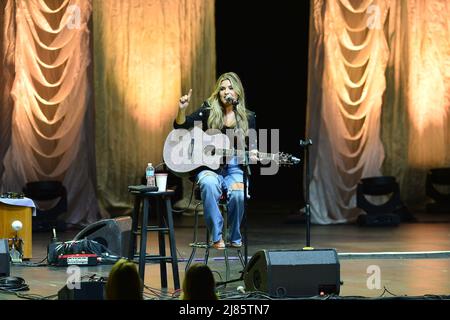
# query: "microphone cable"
[[13, 284]]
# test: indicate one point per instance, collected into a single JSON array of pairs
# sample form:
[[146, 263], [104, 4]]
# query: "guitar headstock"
[[286, 159]]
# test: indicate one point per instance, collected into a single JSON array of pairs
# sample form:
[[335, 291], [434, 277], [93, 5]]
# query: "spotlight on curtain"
[[438, 190], [379, 198], [46, 220], [146, 54]]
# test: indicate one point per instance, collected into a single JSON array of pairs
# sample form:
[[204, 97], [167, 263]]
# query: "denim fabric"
[[212, 185]]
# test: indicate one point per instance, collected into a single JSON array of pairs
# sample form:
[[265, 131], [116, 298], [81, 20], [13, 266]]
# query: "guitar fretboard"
[[242, 153]]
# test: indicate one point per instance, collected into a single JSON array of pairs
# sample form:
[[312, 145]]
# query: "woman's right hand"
[[184, 100]]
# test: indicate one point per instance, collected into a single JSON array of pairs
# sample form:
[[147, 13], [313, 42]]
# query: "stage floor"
[[274, 227]]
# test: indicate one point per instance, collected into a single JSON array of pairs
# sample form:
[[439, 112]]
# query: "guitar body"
[[187, 150]]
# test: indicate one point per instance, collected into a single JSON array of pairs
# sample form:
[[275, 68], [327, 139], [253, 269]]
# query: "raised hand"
[[184, 100]]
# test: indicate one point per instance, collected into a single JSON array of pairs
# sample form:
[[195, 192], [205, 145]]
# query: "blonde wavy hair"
[[215, 120]]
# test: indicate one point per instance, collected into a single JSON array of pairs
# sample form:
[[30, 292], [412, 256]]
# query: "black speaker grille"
[[294, 258], [293, 273]]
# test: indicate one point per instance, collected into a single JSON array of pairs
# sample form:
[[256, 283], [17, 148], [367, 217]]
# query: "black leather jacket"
[[202, 114]]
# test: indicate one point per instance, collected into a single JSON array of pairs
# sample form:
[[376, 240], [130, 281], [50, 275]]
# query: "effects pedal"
[[79, 259]]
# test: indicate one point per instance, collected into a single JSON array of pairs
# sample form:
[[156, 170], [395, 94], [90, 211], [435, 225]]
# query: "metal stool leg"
[[173, 251], [143, 247], [225, 238], [227, 265], [194, 243], [161, 244], [245, 238], [208, 246], [134, 228], [241, 258]]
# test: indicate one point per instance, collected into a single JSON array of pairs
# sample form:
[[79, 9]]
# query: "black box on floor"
[[89, 290], [4, 258]]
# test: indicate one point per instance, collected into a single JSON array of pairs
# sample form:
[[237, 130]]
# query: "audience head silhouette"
[[124, 282], [199, 283]]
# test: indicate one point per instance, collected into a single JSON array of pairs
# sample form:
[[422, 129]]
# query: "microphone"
[[229, 98], [295, 160]]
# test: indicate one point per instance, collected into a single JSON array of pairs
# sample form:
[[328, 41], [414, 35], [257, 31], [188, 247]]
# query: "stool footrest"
[[203, 245], [155, 257], [152, 228]]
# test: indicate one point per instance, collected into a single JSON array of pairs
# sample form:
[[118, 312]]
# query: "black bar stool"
[[162, 228], [196, 244]]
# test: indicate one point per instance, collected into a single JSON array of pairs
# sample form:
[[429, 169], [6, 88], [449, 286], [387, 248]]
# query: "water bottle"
[[150, 175]]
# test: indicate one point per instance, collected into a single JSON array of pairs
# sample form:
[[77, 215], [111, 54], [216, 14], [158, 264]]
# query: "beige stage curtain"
[[352, 64], [50, 131], [348, 57], [7, 47], [416, 112], [146, 54]]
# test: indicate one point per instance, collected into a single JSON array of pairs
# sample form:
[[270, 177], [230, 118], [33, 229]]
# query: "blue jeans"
[[211, 187]]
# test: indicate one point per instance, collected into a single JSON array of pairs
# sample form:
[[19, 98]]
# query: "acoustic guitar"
[[187, 150]]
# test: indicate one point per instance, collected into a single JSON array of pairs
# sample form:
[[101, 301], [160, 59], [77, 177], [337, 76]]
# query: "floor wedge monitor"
[[293, 273]]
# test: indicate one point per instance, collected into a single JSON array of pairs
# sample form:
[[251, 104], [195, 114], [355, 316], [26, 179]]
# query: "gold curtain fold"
[[7, 48], [416, 110], [346, 85], [146, 54]]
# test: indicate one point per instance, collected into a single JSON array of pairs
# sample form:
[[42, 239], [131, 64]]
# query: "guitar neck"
[[241, 153]]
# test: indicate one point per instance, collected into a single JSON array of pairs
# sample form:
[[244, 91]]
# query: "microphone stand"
[[305, 144], [246, 173]]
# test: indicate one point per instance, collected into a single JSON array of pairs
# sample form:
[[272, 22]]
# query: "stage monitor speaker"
[[90, 290], [114, 234], [4, 258], [293, 273]]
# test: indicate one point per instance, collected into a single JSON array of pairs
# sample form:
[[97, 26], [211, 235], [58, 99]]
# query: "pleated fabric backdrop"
[[145, 55], [47, 44], [8, 29], [379, 72]]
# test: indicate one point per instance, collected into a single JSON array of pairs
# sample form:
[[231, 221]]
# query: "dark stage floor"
[[413, 259]]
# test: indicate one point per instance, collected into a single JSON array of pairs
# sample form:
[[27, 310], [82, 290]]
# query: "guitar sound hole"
[[210, 150]]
